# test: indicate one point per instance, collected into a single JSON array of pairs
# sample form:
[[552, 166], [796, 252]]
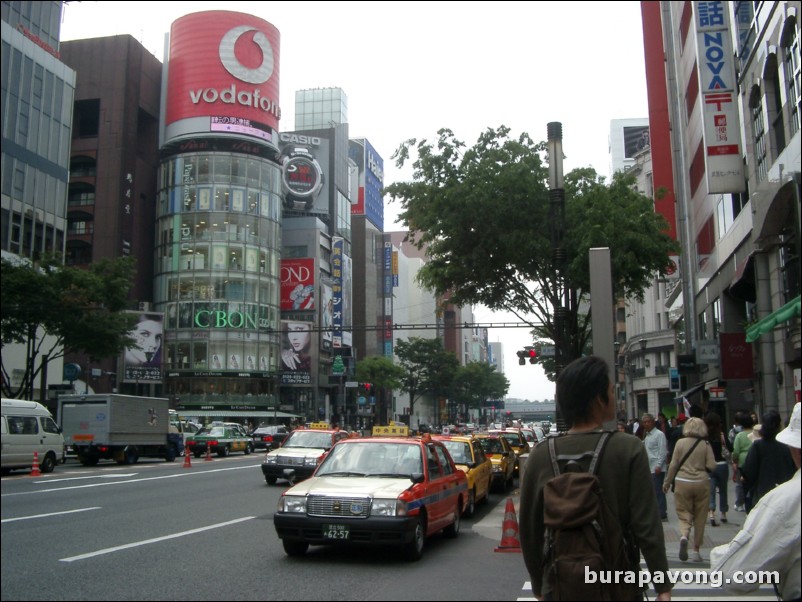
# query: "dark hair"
[[746, 421], [713, 422], [770, 425], [696, 411], [579, 383], [738, 419]]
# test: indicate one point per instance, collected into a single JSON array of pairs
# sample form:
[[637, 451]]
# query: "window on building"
[[793, 72], [775, 103], [758, 134], [86, 120], [716, 307]]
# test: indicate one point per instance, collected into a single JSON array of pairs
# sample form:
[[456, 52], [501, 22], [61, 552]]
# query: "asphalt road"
[[159, 531]]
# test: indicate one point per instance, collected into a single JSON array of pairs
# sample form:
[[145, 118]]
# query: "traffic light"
[[367, 387], [522, 358], [532, 355]]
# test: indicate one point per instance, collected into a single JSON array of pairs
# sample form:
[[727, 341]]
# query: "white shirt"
[[769, 541], [656, 449]]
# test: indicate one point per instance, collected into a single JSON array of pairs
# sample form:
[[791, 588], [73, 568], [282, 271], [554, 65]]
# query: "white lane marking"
[[172, 476], [154, 540], [97, 476], [11, 520]]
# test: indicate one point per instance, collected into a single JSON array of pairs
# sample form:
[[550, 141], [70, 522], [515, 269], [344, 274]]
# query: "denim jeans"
[[657, 481], [719, 479]]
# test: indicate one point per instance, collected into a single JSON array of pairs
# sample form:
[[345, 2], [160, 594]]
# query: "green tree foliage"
[[55, 309], [482, 215], [428, 368], [384, 375], [477, 382]]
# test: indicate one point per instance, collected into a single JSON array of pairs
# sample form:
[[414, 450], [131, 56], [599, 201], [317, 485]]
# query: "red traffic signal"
[[367, 387], [532, 356]]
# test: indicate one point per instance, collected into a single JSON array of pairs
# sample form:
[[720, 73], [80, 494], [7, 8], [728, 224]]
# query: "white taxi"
[[301, 452]]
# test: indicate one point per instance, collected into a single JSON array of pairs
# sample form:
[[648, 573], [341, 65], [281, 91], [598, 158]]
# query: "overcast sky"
[[411, 68]]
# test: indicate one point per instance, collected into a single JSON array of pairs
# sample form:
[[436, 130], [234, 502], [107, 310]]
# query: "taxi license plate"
[[335, 532]]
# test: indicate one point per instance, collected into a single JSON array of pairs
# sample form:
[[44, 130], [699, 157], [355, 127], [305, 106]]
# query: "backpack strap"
[[595, 455]]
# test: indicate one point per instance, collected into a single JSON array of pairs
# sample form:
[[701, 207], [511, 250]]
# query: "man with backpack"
[[587, 508]]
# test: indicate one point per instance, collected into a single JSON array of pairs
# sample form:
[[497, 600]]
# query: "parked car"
[[220, 440], [269, 437], [518, 442], [390, 491], [470, 458], [501, 454]]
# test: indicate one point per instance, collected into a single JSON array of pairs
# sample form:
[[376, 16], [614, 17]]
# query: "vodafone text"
[[714, 578]]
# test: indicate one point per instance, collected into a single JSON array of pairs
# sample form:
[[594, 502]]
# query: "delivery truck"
[[123, 428]]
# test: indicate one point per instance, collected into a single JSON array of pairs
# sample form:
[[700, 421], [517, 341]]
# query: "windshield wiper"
[[342, 474], [392, 475]]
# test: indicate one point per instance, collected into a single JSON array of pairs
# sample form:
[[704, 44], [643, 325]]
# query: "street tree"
[[383, 374], [54, 309], [428, 369], [477, 382], [482, 216]]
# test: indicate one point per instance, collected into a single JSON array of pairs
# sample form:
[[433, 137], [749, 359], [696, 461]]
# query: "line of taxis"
[[388, 489]]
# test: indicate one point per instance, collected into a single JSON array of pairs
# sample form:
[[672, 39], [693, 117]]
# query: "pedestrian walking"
[[692, 462], [769, 540], [586, 400], [768, 462], [720, 477], [656, 450], [740, 447]]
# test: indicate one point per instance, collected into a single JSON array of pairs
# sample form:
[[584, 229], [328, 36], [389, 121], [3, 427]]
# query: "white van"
[[27, 427]]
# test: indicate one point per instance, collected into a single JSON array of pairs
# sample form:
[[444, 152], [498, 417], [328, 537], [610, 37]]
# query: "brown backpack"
[[581, 531]]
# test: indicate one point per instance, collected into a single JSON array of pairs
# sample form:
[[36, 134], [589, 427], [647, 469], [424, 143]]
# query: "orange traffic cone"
[[35, 467], [509, 530], [187, 453], [208, 457]]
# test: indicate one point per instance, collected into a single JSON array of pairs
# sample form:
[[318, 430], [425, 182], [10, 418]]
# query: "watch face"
[[302, 176]]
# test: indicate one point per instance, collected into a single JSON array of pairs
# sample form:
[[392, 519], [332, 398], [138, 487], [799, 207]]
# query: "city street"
[[161, 531]]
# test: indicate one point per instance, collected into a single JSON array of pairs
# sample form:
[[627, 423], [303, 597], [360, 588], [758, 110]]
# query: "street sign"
[[351, 384], [338, 367], [548, 351], [71, 372]]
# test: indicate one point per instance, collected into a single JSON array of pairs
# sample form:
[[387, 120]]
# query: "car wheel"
[[271, 480], [294, 548], [486, 498], [197, 454], [224, 451], [414, 549], [131, 456], [248, 449], [48, 463], [452, 530], [471, 507], [510, 482]]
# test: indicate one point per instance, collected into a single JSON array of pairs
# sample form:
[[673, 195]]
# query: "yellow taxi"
[[518, 442], [301, 452], [470, 458], [502, 455]]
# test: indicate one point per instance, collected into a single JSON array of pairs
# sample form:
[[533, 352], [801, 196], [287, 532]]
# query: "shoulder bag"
[[681, 462]]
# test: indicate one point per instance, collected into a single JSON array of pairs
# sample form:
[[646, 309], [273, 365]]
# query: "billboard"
[[223, 71], [297, 284], [305, 172], [296, 352], [142, 362], [371, 181], [724, 166]]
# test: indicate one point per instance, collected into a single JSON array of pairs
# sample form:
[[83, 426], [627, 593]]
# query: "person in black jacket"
[[719, 478], [768, 463]]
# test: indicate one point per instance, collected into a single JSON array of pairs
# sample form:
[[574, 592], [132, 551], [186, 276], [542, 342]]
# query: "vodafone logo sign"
[[225, 66], [229, 59]]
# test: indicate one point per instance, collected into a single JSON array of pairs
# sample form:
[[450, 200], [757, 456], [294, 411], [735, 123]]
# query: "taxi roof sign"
[[394, 430], [319, 425]]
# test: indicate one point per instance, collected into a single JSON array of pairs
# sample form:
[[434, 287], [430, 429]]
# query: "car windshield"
[[372, 459], [459, 450], [215, 431], [308, 439], [492, 446], [513, 438]]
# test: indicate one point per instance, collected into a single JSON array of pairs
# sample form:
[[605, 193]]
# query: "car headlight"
[[388, 507], [311, 460], [270, 459], [292, 503], [496, 467]]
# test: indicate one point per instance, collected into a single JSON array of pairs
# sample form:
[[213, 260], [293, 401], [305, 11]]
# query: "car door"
[[483, 465]]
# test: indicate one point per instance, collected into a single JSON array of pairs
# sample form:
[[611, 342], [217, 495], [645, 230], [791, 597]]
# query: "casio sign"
[[375, 169], [300, 139]]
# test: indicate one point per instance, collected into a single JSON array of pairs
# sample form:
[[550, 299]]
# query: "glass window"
[[433, 463], [222, 170], [239, 171]]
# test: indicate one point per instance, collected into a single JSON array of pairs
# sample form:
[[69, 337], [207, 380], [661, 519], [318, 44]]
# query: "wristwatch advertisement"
[[301, 178]]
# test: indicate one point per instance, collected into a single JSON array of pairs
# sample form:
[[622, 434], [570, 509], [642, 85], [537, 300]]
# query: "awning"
[[688, 392], [767, 324], [235, 414], [743, 283]]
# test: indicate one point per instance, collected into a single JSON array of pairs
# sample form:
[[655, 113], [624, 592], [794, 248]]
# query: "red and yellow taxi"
[[381, 490], [501, 454], [301, 452], [470, 458]]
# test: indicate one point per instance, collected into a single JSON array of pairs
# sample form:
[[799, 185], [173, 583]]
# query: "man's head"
[[647, 420], [584, 391], [792, 435]]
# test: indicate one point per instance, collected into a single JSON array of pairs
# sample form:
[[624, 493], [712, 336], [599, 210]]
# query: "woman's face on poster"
[[299, 335]]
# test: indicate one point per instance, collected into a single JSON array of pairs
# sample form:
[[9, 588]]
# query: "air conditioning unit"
[[144, 306]]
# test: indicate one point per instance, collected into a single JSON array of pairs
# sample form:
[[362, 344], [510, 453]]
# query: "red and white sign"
[[297, 284], [223, 68]]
